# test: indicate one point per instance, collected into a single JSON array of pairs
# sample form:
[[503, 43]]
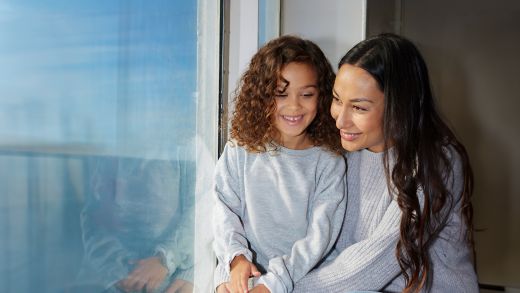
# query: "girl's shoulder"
[[327, 159]]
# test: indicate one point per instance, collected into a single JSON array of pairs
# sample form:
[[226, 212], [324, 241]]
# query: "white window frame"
[[206, 139]]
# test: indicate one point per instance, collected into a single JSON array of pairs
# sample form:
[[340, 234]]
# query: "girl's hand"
[[180, 286], [241, 270], [223, 288], [148, 274], [260, 289]]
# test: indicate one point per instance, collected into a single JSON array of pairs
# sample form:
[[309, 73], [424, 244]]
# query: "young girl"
[[280, 183], [408, 224]]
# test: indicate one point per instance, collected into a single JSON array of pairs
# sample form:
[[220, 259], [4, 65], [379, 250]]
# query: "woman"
[[408, 225]]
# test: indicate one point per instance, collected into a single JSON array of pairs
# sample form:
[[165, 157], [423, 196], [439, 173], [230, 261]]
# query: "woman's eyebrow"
[[359, 100], [356, 100]]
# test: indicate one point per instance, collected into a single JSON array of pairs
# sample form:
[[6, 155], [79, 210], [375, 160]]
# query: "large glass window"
[[108, 117]]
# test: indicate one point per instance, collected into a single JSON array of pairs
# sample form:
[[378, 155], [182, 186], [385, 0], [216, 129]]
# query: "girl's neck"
[[300, 142]]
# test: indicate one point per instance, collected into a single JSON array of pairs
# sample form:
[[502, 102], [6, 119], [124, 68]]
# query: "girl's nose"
[[293, 100]]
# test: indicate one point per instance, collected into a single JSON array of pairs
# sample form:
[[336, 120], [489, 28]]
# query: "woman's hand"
[[241, 270], [149, 273]]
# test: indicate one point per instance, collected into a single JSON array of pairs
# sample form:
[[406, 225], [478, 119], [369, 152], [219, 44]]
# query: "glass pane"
[[98, 122], [268, 20]]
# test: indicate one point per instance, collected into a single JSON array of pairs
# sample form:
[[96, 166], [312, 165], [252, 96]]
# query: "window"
[[107, 140]]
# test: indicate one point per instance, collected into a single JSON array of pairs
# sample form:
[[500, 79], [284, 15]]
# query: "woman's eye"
[[358, 109], [308, 94], [336, 100]]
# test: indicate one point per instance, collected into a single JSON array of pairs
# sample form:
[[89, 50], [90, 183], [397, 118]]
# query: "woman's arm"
[[367, 265]]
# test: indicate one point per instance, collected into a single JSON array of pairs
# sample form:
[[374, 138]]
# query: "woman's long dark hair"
[[420, 142]]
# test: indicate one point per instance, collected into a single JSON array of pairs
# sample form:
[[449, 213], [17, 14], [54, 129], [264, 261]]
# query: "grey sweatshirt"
[[366, 247], [281, 209]]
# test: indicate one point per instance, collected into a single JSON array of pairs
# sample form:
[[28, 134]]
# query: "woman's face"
[[358, 108]]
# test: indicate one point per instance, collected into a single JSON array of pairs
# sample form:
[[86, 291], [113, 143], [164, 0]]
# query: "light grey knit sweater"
[[281, 209], [370, 232]]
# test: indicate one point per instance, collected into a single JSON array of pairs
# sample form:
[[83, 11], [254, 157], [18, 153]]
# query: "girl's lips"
[[292, 120], [349, 136]]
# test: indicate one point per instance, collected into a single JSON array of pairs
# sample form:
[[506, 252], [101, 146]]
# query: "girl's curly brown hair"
[[252, 124]]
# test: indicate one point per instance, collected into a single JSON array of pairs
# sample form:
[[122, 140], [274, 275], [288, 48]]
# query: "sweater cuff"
[[167, 259], [186, 275], [227, 262], [220, 276], [272, 282]]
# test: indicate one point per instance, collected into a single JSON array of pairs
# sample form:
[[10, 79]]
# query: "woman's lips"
[[349, 136]]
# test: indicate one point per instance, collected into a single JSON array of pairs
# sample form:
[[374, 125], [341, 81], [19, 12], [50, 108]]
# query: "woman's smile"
[[349, 136]]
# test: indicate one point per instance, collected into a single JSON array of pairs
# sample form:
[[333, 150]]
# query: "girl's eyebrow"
[[283, 87]]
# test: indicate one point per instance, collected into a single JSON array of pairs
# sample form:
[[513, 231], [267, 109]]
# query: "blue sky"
[[97, 72]]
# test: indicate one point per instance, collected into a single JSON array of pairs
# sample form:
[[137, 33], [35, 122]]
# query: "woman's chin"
[[350, 147]]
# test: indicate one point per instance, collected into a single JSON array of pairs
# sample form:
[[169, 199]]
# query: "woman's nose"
[[344, 118]]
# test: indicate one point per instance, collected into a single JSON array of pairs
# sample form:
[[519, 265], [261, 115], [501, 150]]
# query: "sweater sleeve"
[[230, 237], [366, 265], [326, 212], [452, 259], [176, 247]]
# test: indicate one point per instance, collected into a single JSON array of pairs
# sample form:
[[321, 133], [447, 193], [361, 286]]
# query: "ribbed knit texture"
[[366, 247]]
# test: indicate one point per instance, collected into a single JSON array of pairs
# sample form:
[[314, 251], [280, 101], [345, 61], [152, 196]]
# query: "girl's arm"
[[326, 215], [106, 258], [367, 265], [176, 247], [230, 237]]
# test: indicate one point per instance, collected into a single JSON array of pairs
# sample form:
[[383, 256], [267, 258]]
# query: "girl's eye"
[[336, 100], [308, 94]]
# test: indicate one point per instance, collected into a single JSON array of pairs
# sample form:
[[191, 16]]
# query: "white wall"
[[335, 25]]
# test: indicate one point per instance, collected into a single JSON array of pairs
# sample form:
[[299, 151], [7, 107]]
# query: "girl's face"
[[358, 108], [296, 99]]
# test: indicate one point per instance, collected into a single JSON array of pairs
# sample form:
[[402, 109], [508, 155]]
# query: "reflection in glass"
[[97, 133], [136, 222]]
